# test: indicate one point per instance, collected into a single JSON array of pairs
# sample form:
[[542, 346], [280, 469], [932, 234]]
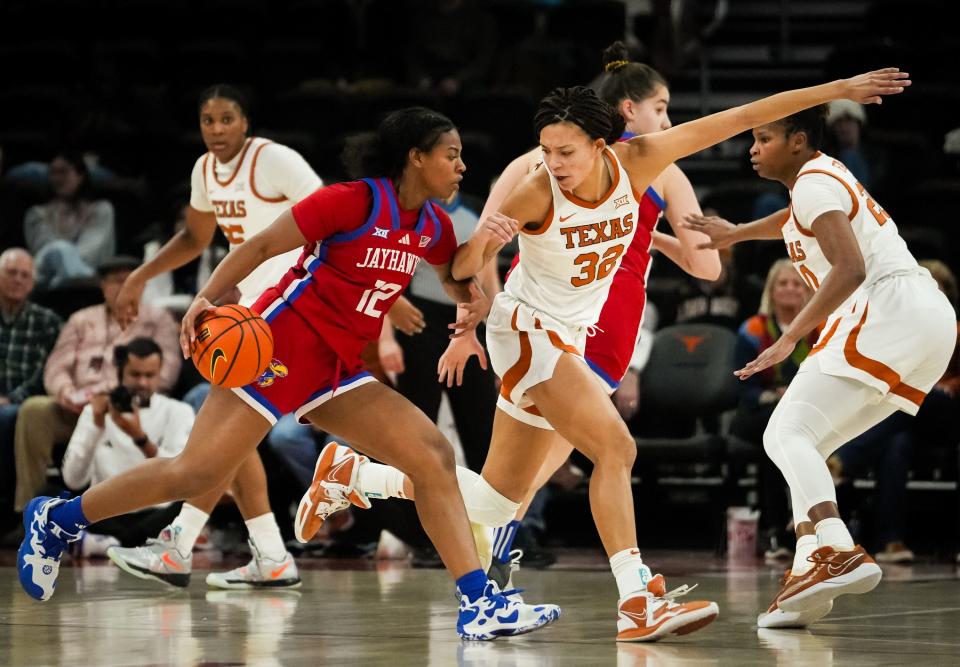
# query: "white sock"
[[631, 574], [833, 533], [265, 533], [806, 545], [187, 527], [375, 480]]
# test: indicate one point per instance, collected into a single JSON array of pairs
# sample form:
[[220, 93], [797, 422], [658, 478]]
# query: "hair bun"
[[615, 65]]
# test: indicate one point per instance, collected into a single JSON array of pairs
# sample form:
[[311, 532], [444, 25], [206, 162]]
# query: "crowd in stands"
[[81, 399]]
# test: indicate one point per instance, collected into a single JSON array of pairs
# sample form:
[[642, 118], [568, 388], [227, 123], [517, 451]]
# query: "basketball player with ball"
[[361, 242], [241, 185]]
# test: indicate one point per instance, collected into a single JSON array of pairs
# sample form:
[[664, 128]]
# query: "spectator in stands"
[[784, 295], [27, 334], [885, 449], [845, 123], [80, 367], [73, 233], [452, 46], [118, 430], [937, 424], [712, 302]]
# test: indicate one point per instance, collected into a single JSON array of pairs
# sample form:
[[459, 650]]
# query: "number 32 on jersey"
[[594, 266]]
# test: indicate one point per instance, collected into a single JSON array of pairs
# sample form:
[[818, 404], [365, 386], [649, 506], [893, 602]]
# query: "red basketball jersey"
[[609, 351], [362, 252]]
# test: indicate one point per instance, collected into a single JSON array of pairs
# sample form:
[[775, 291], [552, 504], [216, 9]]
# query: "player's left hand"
[[188, 326], [774, 354], [470, 315], [455, 358]]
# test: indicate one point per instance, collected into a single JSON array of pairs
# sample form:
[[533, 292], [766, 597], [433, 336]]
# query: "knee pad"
[[485, 505], [802, 425]]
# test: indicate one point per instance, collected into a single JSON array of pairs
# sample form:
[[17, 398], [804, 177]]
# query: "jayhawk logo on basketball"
[[275, 370]]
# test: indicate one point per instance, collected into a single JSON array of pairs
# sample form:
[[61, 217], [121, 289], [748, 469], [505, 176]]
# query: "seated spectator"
[[937, 424], [120, 429], [27, 334], [71, 234], [712, 302], [79, 368], [845, 124], [784, 295], [886, 449]]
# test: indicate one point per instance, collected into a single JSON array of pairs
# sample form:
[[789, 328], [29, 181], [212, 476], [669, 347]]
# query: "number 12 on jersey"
[[371, 297]]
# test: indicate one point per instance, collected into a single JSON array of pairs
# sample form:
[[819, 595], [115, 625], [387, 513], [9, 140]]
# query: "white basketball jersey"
[[242, 211], [566, 266], [884, 251]]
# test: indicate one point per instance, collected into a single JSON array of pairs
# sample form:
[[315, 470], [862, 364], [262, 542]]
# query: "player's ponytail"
[[581, 106], [386, 151], [625, 79]]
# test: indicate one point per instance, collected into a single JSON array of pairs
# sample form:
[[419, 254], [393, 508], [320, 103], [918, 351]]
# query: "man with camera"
[[79, 367], [118, 430]]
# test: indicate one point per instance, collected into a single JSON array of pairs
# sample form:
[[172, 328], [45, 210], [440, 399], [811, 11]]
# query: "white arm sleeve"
[[641, 351], [282, 170], [79, 455], [198, 193], [816, 194]]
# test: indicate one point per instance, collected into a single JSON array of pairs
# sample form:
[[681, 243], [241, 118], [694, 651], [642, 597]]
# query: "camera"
[[122, 399]]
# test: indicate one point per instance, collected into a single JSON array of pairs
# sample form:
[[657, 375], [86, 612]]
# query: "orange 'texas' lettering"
[[580, 236], [226, 208]]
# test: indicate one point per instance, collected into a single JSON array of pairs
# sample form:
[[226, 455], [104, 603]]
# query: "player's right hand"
[[406, 317], [869, 87], [187, 327], [498, 228], [128, 301], [717, 229]]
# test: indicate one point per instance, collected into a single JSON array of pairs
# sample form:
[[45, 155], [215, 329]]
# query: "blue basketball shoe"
[[497, 614], [38, 560]]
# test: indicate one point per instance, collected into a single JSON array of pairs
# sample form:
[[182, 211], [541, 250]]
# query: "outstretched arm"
[[280, 237], [183, 247], [648, 155], [723, 234], [685, 247]]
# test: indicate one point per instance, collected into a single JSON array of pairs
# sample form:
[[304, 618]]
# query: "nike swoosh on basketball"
[[835, 570], [218, 354], [565, 218]]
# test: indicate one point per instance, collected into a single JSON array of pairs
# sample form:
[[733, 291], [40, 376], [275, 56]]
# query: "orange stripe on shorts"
[[876, 368]]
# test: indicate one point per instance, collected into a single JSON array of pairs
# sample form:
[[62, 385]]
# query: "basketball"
[[233, 346]]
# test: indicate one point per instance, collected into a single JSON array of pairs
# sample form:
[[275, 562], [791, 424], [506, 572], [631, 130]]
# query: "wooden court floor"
[[355, 613]]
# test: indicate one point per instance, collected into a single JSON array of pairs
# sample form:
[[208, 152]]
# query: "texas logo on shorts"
[[275, 371]]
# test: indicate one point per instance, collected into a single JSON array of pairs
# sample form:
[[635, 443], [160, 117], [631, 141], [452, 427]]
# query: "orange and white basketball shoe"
[[646, 616], [332, 490], [775, 617], [834, 573]]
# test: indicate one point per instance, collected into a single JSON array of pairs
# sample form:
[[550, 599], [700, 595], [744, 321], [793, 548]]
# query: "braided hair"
[[812, 122], [581, 106]]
